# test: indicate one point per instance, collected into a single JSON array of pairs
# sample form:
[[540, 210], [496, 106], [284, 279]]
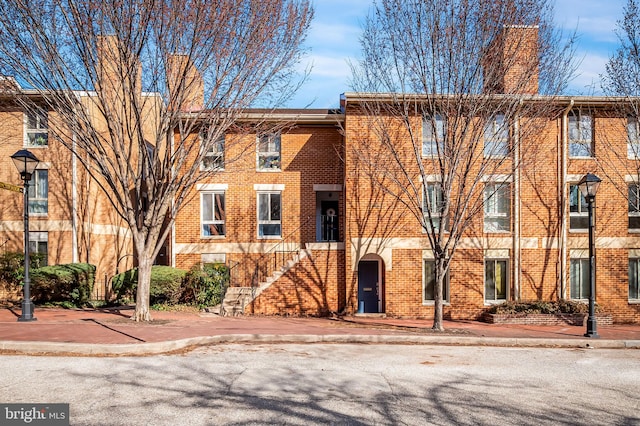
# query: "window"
[[269, 152], [269, 217], [213, 159], [497, 207], [36, 129], [495, 279], [429, 281], [39, 192], [432, 202], [213, 214], [633, 138], [634, 206], [578, 210], [496, 137], [433, 135], [38, 245], [634, 279], [579, 278], [580, 134]]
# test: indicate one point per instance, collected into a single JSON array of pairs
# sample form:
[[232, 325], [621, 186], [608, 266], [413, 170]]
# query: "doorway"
[[369, 287]]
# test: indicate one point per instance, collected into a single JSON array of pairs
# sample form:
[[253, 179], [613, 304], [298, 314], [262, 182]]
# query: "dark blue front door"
[[368, 286]]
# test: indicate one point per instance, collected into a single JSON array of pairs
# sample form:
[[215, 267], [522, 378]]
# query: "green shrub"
[[166, 285], [204, 285], [12, 267], [63, 283]]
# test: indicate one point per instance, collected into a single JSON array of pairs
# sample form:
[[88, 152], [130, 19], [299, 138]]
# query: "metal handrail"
[[276, 257]]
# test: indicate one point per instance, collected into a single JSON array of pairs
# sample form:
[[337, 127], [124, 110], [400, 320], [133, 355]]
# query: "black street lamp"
[[588, 186], [26, 163]]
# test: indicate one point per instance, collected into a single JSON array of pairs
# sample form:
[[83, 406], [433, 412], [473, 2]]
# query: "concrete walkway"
[[110, 332]]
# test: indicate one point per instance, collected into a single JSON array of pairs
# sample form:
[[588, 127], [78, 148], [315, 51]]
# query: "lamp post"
[[26, 163], [588, 186]]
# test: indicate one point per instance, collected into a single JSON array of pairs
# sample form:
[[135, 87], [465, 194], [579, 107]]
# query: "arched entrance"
[[370, 285]]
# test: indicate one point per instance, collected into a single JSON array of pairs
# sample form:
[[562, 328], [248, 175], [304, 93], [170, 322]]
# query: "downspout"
[[74, 201], [516, 209], [563, 164]]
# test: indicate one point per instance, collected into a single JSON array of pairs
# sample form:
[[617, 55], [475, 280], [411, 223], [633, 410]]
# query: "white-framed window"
[[634, 279], [269, 215], [433, 202], [39, 192], [36, 129], [38, 244], [269, 158], [213, 159], [634, 207], [212, 207], [433, 135], [580, 134], [496, 137], [579, 278], [578, 210], [429, 282], [496, 279], [497, 207], [633, 138]]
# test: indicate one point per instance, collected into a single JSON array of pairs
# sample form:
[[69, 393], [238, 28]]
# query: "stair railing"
[[277, 257]]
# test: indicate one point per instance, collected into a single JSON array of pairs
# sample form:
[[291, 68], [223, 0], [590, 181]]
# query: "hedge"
[[60, 283], [166, 285]]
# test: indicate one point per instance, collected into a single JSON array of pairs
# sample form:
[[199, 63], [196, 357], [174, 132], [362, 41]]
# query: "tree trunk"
[[438, 290], [141, 312]]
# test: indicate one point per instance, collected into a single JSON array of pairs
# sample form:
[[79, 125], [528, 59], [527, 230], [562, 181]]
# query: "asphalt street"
[[350, 384]]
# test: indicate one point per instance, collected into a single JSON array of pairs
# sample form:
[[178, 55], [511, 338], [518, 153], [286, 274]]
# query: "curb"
[[157, 348]]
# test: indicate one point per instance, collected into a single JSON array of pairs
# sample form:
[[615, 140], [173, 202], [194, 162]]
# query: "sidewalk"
[[110, 332]]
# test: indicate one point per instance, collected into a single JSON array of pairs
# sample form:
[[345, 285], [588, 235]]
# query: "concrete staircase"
[[236, 299]]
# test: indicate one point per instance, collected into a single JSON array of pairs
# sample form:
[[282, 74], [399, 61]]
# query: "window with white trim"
[[429, 282], [579, 278], [269, 152], [578, 210], [37, 130], [633, 138], [433, 135], [213, 214], [39, 192], [580, 134], [38, 244], [496, 279], [213, 159], [496, 137], [634, 279], [433, 202], [497, 207], [269, 215], [634, 206]]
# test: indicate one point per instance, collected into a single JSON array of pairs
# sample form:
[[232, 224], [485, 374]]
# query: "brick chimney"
[[511, 61], [114, 72], [185, 84]]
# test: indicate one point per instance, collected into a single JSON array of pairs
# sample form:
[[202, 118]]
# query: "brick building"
[[304, 230]]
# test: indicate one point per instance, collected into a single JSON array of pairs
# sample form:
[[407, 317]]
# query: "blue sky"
[[335, 31]]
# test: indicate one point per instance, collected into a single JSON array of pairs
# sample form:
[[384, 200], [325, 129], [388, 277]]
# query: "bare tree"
[[622, 80], [141, 90], [454, 91]]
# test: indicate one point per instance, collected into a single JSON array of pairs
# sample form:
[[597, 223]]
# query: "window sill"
[[634, 230], [35, 146], [634, 301], [432, 303], [494, 302], [582, 157], [497, 232], [270, 237], [268, 170], [578, 231], [213, 237]]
